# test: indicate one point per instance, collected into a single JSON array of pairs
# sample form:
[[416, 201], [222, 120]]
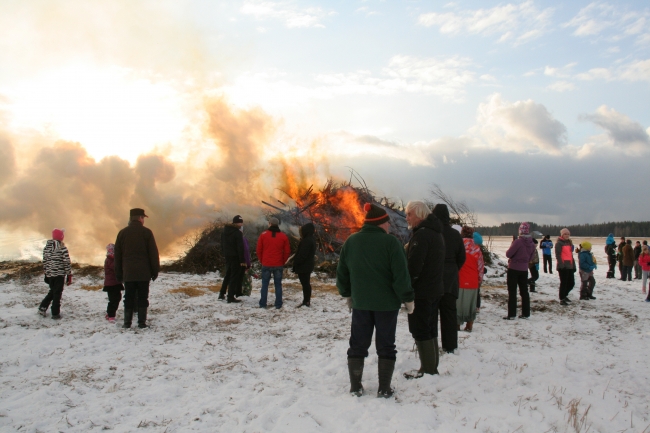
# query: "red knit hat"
[[58, 234], [375, 215]]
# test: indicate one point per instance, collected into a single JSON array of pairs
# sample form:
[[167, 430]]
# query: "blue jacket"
[[546, 245], [586, 261]]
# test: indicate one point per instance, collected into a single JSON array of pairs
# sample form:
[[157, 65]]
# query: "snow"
[[206, 366]]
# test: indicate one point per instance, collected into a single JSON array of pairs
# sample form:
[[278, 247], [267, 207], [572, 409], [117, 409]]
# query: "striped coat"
[[56, 259]]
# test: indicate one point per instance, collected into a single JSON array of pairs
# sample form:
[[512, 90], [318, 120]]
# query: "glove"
[[153, 277], [410, 306], [349, 302], [69, 279]]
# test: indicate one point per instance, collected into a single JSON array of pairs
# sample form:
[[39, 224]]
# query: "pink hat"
[[524, 228], [58, 234], [110, 249]]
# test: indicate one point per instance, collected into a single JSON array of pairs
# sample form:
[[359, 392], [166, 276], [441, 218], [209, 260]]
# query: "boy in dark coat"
[[303, 261], [112, 287]]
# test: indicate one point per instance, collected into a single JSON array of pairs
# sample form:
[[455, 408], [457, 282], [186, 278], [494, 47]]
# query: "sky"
[[529, 110]]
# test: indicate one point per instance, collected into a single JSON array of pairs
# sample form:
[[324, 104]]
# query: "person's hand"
[[69, 280], [410, 307], [349, 303]]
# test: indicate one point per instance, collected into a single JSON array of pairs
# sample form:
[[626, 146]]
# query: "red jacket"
[[644, 261], [273, 247], [470, 275]]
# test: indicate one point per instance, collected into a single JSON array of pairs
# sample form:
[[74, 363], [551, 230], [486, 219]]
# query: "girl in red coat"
[[111, 286], [470, 277]]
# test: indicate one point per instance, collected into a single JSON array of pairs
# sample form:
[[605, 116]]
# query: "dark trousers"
[[54, 295], [548, 259], [612, 266], [478, 296], [136, 294], [114, 297], [363, 324], [233, 279], [519, 279], [423, 323], [637, 270], [567, 281], [588, 282], [305, 281], [448, 321], [626, 273], [534, 276]]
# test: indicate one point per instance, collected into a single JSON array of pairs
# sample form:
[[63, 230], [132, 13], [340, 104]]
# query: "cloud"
[[620, 130], [638, 70], [611, 22], [516, 22], [522, 126], [289, 12], [561, 86]]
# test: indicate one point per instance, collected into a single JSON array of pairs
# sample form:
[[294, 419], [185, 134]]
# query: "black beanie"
[[375, 215]]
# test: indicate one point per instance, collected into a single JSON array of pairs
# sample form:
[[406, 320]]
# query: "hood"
[[307, 230], [610, 240], [442, 212], [230, 229], [431, 222]]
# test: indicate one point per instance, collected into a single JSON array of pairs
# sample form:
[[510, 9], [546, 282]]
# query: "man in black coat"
[[454, 260], [232, 244], [303, 261], [426, 261], [136, 263]]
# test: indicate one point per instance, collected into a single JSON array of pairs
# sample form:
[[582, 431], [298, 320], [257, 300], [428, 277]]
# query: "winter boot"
[[355, 368], [142, 317], [128, 318], [43, 311], [427, 353], [385, 369], [469, 326]]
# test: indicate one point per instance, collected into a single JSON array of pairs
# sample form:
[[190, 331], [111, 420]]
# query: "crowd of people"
[[437, 275]]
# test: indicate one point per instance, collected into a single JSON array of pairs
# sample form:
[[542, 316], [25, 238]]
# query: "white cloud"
[[638, 70], [522, 126], [620, 131], [561, 86], [517, 22], [289, 12], [562, 72], [611, 22]]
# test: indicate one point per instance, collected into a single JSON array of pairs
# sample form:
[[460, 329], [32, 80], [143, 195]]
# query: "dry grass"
[[189, 291], [90, 288]]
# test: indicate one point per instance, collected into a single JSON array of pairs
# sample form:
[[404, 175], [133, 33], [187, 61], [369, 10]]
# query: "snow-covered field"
[[209, 366]]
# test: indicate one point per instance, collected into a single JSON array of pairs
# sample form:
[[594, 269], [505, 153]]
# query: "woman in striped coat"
[[58, 271]]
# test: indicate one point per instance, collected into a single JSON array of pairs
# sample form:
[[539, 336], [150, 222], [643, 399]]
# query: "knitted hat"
[[237, 219], [58, 234], [478, 239], [524, 228], [375, 215], [586, 245], [467, 232], [110, 249]]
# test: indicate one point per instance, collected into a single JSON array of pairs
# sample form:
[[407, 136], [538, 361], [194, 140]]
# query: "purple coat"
[[520, 254], [247, 253], [109, 272]]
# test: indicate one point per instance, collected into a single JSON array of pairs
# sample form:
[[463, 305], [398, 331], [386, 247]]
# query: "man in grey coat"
[[136, 263]]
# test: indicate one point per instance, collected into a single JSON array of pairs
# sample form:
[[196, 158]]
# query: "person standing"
[[234, 252], [58, 272], [303, 261], [546, 245], [621, 245], [372, 275], [478, 240], [566, 265], [454, 260], [425, 255], [610, 250], [519, 255], [644, 261], [637, 267], [587, 266], [470, 278], [136, 263], [112, 287], [272, 251], [627, 260], [533, 267]]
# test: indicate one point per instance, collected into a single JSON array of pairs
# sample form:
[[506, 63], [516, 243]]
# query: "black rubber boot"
[[436, 356], [428, 364], [385, 369], [355, 368], [128, 318], [142, 317]]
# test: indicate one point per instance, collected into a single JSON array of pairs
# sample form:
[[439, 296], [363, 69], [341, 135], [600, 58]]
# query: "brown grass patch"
[[90, 288], [189, 291], [214, 288]]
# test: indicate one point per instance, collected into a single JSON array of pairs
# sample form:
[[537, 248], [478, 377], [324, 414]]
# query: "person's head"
[[376, 216], [416, 212], [58, 234], [565, 233], [623, 238], [547, 237], [478, 239], [137, 214], [238, 221], [524, 229], [644, 249], [467, 232], [307, 230], [110, 249], [273, 221], [638, 243], [645, 242], [586, 246], [629, 241]]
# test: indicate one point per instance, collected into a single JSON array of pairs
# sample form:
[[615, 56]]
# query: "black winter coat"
[[454, 250], [426, 259], [232, 243], [136, 254], [303, 260]]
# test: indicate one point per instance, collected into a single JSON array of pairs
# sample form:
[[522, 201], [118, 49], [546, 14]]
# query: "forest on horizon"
[[623, 228]]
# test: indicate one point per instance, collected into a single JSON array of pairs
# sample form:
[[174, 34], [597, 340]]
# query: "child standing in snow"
[[587, 266], [58, 271], [644, 262], [111, 286], [533, 267]]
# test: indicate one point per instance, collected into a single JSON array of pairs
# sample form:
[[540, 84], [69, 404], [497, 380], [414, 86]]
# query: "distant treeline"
[[626, 228]]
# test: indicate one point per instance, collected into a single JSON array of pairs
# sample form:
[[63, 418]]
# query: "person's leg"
[[523, 291], [511, 283], [563, 283], [448, 325], [584, 277], [47, 300], [534, 276], [419, 321], [226, 280], [143, 302], [57, 292], [277, 282], [629, 273], [591, 284], [571, 281], [478, 297], [637, 270], [361, 330], [550, 264], [234, 285], [114, 297], [266, 278], [644, 281], [306, 287], [386, 326]]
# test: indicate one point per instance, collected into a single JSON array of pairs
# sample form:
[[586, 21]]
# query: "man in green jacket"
[[373, 276]]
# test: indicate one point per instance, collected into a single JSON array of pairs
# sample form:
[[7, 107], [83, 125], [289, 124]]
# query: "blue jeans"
[[277, 281]]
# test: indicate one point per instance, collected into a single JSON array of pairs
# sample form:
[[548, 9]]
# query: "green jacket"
[[373, 270]]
